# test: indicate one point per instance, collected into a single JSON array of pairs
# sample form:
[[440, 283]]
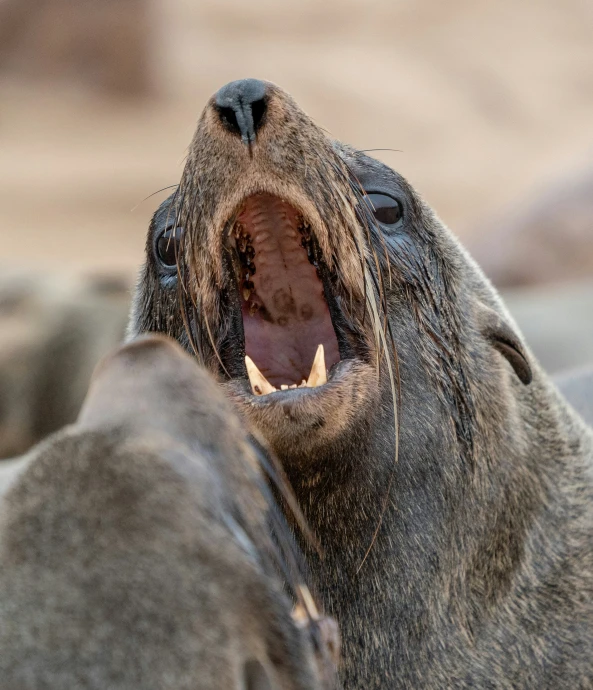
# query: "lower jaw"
[[300, 421]]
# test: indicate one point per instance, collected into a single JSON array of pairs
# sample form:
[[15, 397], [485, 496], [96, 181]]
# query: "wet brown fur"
[[479, 503]]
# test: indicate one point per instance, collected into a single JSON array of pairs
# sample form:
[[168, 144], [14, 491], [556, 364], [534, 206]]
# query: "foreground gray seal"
[[448, 481], [140, 547]]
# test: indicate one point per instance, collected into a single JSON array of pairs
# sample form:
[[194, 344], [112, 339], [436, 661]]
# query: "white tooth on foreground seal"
[[259, 383], [318, 375]]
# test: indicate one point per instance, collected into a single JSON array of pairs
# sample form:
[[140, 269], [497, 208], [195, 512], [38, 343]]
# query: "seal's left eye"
[[385, 209], [168, 245]]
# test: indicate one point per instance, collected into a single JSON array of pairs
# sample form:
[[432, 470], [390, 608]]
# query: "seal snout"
[[241, 106], [271, 254]]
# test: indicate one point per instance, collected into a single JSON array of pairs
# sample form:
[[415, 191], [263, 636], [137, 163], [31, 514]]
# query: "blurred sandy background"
[[486, 102]]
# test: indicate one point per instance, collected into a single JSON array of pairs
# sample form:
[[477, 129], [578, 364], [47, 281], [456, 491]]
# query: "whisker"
[[275, 473], [171, 186], [382, 330], [369, 150]]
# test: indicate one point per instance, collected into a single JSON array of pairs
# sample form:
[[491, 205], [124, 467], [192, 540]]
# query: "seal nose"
[[241, 106]]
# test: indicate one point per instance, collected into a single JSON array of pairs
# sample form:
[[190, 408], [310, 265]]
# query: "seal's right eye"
[[385, 209], [168, 246]]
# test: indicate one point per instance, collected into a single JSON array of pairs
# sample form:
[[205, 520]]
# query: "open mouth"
[[290, 339]]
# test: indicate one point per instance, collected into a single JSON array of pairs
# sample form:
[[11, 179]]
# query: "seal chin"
[[302, 420]]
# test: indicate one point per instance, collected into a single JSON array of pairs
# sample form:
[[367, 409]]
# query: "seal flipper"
[[503, 338]]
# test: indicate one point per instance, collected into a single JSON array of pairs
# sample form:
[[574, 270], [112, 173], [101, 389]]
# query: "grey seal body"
[[448, 481], [136, 551]]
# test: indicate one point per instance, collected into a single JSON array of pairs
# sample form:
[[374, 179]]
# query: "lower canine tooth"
[[318, 375], [259, 383]]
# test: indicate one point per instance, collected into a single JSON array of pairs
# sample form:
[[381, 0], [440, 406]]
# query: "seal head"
[[141, 547], [447, 480]]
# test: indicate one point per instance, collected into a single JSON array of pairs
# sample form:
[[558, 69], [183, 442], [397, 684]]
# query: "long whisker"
[[381, 329], [171, 186], [335, 190], [275, 473], [360, 192], [184, 215], [370, 150]]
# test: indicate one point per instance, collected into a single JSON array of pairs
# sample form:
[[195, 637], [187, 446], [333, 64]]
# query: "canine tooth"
[[318, 375], [259, 383], [246, 293]]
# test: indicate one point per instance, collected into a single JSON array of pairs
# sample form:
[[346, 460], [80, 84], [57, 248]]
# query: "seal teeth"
[[259, 383], [318, 375], [261, 386]]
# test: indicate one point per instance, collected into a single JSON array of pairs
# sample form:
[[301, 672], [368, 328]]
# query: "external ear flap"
[[504, 339]]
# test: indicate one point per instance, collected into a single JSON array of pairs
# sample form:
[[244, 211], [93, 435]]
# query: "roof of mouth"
[[285, 312]]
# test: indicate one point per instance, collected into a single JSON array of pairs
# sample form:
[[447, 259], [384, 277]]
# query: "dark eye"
[[168, 246], [385, 209]]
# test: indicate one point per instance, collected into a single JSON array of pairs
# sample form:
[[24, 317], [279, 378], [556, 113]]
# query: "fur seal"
[[448, 481], [136, 548]]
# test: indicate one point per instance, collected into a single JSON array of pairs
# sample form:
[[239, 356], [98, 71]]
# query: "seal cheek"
[[504, 339]]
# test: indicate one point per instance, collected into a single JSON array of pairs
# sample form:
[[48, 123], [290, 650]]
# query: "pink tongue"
[[293, 318]]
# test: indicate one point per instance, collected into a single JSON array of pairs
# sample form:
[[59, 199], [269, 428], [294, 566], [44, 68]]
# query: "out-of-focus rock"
[[103, 45], [53, 330], [548, 239]]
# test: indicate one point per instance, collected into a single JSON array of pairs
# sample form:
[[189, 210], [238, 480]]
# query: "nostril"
[[229, 119], [258, 111]]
